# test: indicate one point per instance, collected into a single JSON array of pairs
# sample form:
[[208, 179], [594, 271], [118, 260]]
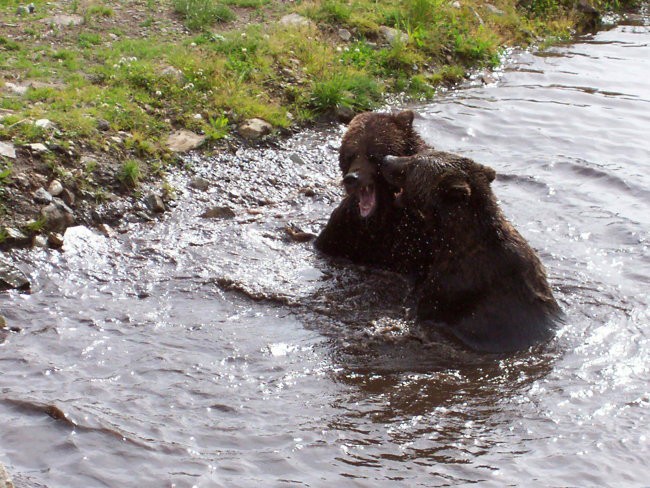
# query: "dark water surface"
[[220, 353]]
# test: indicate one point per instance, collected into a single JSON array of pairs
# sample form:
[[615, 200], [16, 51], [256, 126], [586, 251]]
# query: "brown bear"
[[485, 284], [367, 227]]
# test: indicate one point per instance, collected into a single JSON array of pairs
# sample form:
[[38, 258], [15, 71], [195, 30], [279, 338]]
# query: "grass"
[[130, 173], [146, 87], [201, 14]]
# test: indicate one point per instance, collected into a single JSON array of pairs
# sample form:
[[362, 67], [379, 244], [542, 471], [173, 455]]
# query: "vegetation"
[[117, 85]]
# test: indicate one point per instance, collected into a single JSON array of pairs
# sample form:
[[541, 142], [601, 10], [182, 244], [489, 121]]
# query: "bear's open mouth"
[[367, 200]]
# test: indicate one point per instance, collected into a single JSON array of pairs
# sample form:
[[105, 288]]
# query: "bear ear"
[[405, 118], [489, 173], [456, 188], [393, 168]]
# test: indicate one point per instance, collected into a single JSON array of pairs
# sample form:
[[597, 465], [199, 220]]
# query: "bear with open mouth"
[[485, 285], [367, 227]]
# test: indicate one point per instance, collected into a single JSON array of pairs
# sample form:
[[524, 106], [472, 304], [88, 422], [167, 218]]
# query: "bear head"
[[442, 188], [371, 136]]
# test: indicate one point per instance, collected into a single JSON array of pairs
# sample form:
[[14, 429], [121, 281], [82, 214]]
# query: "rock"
[[154, 203], [58, 216], [173, 73], [107, 230], [16, 89], [255, 128], [62, 20], [68, 197], [296, 159], [393, 35], [455, 4], [8, 150], [42, 196], [5, 479], [344, 114], [55, 240], [38, 148], [199, 183], [39, 241], [12, 278], [184, 140], [218, 213], [15, 236], [295, 20], [55, 188], [488, 78], [345, 34], [103, 125], [494, 10], [45, 124]]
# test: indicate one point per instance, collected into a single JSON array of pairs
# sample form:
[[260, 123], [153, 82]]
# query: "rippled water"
[[221, 353]]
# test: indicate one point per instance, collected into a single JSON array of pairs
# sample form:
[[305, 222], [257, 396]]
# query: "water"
[[221, 353]]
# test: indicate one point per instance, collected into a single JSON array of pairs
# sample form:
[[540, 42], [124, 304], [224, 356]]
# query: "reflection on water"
[[203, 352]]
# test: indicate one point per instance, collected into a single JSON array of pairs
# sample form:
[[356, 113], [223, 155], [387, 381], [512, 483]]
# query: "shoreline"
[[92, 148]]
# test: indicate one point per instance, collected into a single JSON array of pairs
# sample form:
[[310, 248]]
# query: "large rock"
[[8, 150], [255, 128], [63, 20], [218, 213], [295, 20], [393, 35], [184, 140], [12, 278], [58, 216]]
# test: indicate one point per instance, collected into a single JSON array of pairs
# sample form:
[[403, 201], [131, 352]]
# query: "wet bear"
[[485, 285], [367, 227]]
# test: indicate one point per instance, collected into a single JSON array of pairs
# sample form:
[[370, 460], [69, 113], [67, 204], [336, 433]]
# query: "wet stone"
[[15, 236], [42, 196], [218, 213], [55, 240], [12, 278], [58, 216], [39, 241], [199, 183], [154, 203]]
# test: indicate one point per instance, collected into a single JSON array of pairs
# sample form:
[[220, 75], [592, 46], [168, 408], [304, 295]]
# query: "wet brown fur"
[[484, 284], [390, 236]]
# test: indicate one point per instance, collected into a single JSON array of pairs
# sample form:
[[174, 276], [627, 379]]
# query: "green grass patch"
[[130, 173], [89, 39], [201, 14], [345, 90]]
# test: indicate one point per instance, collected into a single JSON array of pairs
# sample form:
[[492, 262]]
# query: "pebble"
[[12, 277], [199, 183], [55, 188], [218, 213], [55, 240], [184, 140], [154, 203], [38, 148], [345, 34], [255, 128], [42, 196], [8, 150]]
